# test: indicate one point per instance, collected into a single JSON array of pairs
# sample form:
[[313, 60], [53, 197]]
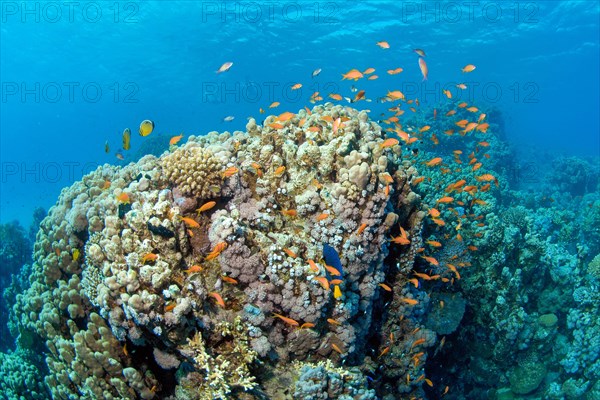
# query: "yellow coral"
[[194, 170]]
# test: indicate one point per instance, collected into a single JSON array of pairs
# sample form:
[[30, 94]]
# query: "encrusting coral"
[[175, 276]]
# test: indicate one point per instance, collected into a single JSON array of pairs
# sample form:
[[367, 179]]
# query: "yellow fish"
[[337, 293], [146, 127], [126, 139]]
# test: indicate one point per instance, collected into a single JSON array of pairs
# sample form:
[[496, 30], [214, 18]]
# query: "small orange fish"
[[383, 45], [336, 348], [313, 266], [297, 86], [445, 200], [286, 116], [431, 260], [434, 212], [190, 223], [229, 172], [193, 269], [333, 271], [423, 67], [418, 180], [333, 322], [450, 113], [335, 96], [388, 143], [289, 252], [468, 68], [170, 307], [276, 125], [353, 74], [428, 382], [361, 228], [373, 77], [218, 299], [322, 216], [150, 257], [368, 71], [279, 171], [417, 342], [287, 320], [123, 198], [307, 325], [175, 139], [410, 302], [385, 287], [206, 206], [415, 282], [486, 177], [336, 282], [323, 281], [229, 279], [274, 104], [289, 213], [219, 247], [434, 161], [394, 71], [425, 128], [433, 243], [384, 352], [447, 93]]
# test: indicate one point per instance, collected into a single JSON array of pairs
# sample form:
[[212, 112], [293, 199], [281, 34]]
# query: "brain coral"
[[138, 295]]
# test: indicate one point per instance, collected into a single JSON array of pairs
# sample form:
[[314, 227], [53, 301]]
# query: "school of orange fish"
[[448, 145]]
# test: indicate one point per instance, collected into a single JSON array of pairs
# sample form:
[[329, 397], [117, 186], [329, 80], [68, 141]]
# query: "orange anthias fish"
[[388, 143], [323, 281], [193, 269], [190, 223], [175, 139], [424, 69], [431, 260], [353, 74], [383, 45], [285, 116], [468, 68], [287, 320], [218, 299], [123, 198], [149, 257], [445, 200], [206, 206], [434, 161], [229, 172]]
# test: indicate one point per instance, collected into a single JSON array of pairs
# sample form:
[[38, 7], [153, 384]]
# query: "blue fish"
[[332, 258]]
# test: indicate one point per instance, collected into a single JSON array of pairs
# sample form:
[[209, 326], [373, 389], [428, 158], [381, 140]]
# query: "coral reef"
[[175, 276]]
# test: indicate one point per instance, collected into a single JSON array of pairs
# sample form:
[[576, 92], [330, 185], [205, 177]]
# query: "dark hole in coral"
[[124, 208], [142, 358]]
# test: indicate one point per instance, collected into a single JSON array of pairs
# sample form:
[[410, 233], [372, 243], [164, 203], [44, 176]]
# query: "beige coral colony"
[[170, 299]]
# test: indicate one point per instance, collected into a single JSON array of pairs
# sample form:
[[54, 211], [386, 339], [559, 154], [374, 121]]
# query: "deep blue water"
[[128, 61]]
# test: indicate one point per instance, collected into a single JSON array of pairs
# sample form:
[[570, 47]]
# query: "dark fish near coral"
[[332, 258], [106, 147]]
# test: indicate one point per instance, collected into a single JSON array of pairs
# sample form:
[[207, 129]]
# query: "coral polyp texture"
[[202, 274]]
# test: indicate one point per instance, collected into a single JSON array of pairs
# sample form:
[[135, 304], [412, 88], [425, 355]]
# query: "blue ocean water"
[[76, 76]]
